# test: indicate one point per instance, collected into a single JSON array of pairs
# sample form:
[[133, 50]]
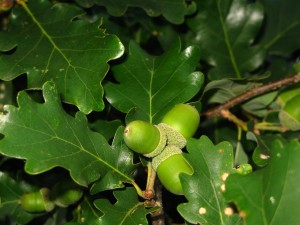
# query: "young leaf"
[[154, 84], [270, 195], [225, 30], [46, 137], [173, 11], [51, 42], [203, 190], [10, 195], [128, 210]]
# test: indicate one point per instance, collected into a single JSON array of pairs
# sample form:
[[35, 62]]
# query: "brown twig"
[[158, 217], [216, 111]]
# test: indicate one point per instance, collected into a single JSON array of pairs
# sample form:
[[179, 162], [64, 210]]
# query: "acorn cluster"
[[163, 143], [62, 194]]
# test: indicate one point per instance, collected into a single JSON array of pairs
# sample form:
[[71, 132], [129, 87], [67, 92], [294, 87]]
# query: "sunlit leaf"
[[46, 137], [128, 210], [225, 30], [51, 42], [204, 189], [154, 84], [270, 195]]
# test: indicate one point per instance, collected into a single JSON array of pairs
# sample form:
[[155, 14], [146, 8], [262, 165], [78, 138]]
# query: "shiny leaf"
[[128, 210], [203, 190], [174, 11], [154, 84], [47, 137], [51, 42], [282, 26], [225, 31], [270, 195]]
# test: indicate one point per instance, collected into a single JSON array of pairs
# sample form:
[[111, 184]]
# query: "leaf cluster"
[[74, 73]]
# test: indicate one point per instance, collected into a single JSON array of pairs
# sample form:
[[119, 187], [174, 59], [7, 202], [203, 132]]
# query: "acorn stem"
[[270, 127], [231, 117], [138, 189], [150, 180]]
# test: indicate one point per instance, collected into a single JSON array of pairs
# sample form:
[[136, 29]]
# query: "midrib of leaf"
[[228, 45], [43, 30], [218, 203], [211, 181], [130, 212], [253, 203], [282, 191], [95, 156], [280, 34], [80, 147]]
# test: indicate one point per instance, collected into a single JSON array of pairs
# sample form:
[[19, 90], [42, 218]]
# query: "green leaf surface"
[[86, 214], [270, 195], [127, 210], [225, 30], [106, 128], [282, 26], [154, 84], [225, 89], [262, 151], [203, 190], [46, 137], [10, 195], [258, 106], [57, 217], [6, 94], [174, 11], [240, 156], [51, 42]]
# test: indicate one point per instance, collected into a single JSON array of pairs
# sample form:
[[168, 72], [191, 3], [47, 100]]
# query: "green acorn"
[[37, 202], [66, 193], [144, 138], [168, 166], [183, 118]]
